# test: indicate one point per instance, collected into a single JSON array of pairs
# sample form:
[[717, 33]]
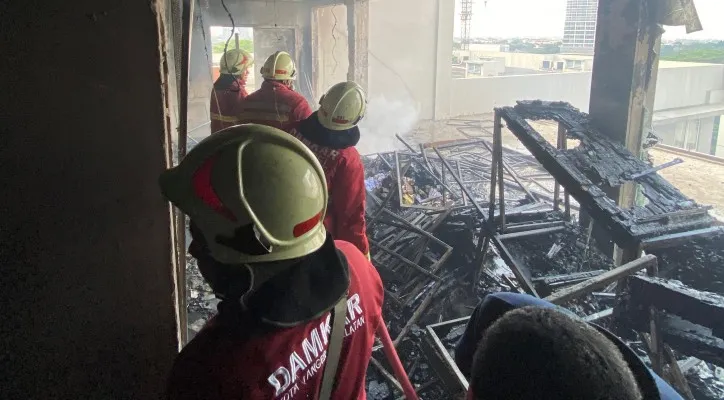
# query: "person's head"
[[279, 67], [342, 107], [256, 197], [542, 353], [236, 62]]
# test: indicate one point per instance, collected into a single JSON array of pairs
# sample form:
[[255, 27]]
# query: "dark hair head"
[[542, 353]]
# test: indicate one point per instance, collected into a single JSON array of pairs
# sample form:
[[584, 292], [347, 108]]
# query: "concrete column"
[[358, 14], [443, 65], [623, 86], [625, 68], [86, 251]]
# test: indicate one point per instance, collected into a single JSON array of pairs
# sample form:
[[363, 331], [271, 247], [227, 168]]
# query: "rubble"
[[450, 222], [459, 193]]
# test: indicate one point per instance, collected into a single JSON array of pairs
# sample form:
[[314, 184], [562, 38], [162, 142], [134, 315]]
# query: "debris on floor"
[[428, 238], [442, 239]]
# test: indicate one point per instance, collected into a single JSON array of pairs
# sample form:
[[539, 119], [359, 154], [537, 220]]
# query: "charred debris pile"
[[449, 222]]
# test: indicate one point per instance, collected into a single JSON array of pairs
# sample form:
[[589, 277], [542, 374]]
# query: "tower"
[[579, 33], [466, 14]]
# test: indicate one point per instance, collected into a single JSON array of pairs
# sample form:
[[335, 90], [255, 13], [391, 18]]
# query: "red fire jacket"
[[226, 96], [345, 174], [286, 363], [274, 105]]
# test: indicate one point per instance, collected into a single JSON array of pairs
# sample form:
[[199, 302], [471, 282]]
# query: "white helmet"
[[235, 62], [255, 192], [342, 107], [279, 67]]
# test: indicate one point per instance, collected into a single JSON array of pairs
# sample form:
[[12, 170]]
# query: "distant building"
[[579, 33]]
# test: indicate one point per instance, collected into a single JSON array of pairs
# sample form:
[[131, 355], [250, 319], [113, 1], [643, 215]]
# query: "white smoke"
[[385, 118]]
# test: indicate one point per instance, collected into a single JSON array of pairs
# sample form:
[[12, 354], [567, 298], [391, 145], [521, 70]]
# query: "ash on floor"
[[201, 302]]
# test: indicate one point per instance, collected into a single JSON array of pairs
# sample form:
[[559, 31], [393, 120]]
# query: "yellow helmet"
[[235, 62], [255, 192], [279, 67], [342, 107]]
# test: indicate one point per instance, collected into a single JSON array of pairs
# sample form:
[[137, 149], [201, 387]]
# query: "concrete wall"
[[200, 76], [481, 95], [687, 86], [332, 46], [402, 53], [85, 247], [681, 86], [720, 139]]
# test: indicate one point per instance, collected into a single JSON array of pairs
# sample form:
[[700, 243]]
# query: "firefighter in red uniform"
[[331, 133], [229, 90], [298, 310], [275, 103]]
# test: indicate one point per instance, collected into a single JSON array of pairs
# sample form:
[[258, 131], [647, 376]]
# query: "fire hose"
[[397, 369]]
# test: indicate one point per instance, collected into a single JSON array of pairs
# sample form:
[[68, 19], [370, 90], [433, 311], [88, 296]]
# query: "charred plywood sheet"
[[598, 164]]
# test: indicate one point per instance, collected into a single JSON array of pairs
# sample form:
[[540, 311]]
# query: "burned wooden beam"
[[440, 359], [533, 232], [599, 315], [600, 164], [671, 240], [702, 308], [548, 284], [404, 260], [522, 278], [602, 280], [568, 279], [684, 336], [527, 226]]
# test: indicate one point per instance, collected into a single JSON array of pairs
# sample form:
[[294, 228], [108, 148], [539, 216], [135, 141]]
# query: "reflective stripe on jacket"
[[224, 103]]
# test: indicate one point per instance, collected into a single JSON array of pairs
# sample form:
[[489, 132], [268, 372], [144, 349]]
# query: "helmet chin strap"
[[252, 281]]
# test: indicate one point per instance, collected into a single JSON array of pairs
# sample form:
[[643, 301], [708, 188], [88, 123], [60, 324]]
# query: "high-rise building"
[[580, 31]]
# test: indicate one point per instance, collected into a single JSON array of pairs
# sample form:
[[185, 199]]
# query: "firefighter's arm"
[[348, 199]]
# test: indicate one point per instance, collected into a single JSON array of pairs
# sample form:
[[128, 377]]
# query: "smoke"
[[385, 118]]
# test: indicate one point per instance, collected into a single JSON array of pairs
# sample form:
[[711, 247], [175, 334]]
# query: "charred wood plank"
[[602, 280], [547, 284], [683, 336], [599, 163], [516, 235], [661, 242], [490, 233], [599, 315], [702, 308], [526, 226], [562, 280], [440, 359]]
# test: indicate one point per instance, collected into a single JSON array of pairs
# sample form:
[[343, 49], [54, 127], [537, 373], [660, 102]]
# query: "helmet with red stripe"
[[235, 62], [279, 67], [256, 193], [342, 107]]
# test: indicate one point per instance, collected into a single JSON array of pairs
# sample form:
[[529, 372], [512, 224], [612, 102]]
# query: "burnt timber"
[[691, 320], [599, 164], [699, 307]]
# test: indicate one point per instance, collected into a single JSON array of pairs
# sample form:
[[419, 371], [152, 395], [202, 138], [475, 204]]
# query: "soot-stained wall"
[[86, 282]]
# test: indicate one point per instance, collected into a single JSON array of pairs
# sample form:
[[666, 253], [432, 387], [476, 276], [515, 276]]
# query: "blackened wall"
[[86, 288]]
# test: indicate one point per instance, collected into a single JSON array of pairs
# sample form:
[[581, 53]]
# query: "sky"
[[521, 18]]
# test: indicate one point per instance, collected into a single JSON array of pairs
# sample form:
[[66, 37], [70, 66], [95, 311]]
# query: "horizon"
[[546, 19]]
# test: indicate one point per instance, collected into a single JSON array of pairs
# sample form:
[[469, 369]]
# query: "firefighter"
[[276, 103], [229, 89], [518, 346], [256, 198], [331, 132]]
